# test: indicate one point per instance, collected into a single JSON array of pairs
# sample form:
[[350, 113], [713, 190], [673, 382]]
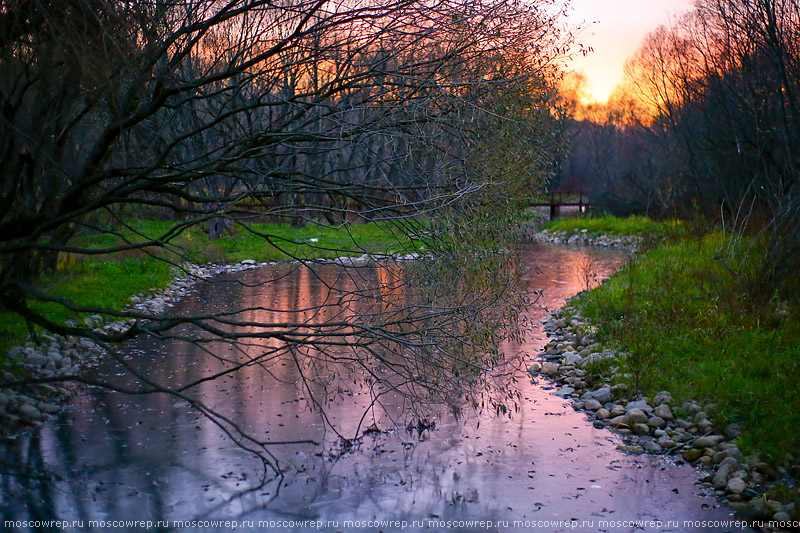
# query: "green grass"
[[633, 225], [681, 312], [108, 281]]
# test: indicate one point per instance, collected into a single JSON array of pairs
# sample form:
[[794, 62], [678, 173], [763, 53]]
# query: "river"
[[120, 458]]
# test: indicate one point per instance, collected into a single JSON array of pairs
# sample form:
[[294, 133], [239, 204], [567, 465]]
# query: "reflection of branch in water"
[[396, 329]]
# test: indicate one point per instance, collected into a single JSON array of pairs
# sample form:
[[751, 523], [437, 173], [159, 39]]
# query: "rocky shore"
[[593, 378], [56, 358], [583, 237]]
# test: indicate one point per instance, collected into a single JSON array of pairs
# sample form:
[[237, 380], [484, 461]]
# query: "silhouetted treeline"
[[706, 124]]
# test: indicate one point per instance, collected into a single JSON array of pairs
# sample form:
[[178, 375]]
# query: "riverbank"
[[608, 231], [675, 324], [594, 378], [108, 281], [149, 285]]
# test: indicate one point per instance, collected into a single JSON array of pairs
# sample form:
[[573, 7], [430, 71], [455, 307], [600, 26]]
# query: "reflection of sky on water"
[[152, 457]]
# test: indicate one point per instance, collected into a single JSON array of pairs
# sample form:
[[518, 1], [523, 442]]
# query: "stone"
[[48, 408], [692, 455], [730, 461], [572, 358], [249, 262], [781, 517], [37, 359], [692, 407], [657, 422], [619, 421], [641, 429], [733, 431], [651, 447], [662, 398], [550, 369], [663, 411], [637, 416], [704, 425], [628, 448], [707, 441], [617, 410], [720, 479], [666, 442], [595, 358], [736, 486], [29, 413], [566, 392], [592, 405], [602, 414], [639, 404], [535, 368], [755, 509], [774, 506], [602, 395]]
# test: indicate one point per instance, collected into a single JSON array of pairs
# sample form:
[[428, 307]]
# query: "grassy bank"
[[683, 313], [108, 281], [611, 225]]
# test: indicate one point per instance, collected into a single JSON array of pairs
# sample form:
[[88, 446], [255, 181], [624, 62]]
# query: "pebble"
[[662, 398], [720, 479], [736, 485], [566, 392], [663, 411], [592, 405], [550, 369], [637, 419], [707, 442], [692, 455], [652, 447], [29, 413], [602, 395], [641, 405], [637, 416], [602, 414]]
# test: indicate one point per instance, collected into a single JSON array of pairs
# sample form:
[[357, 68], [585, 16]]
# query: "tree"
[[226, 112]]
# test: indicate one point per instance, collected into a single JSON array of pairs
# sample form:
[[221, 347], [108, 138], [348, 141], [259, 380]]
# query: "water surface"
[[152, 457]]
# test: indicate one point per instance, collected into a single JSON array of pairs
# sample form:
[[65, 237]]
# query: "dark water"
[[121, 458]]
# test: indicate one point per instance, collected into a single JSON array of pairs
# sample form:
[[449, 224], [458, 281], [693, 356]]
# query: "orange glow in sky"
[[615, 29]]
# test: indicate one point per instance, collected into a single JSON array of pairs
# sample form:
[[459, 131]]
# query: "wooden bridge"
[[561, 199]]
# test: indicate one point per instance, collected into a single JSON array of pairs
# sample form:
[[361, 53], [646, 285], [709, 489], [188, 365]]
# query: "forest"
[[327, 201]]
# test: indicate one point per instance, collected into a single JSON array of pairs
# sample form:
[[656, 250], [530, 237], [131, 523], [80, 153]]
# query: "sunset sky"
[[615, 29]]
